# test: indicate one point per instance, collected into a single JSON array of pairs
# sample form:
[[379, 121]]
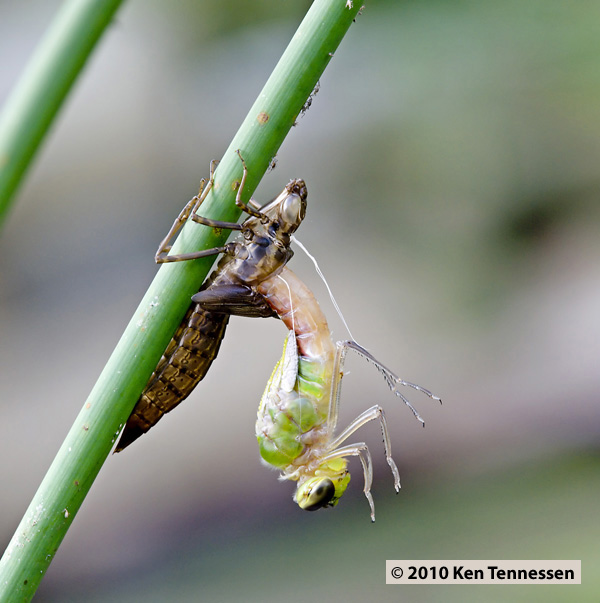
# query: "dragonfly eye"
[[292, 212], [317, 496]]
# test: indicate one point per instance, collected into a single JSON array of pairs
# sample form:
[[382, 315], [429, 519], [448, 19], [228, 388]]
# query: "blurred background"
[[451, 157]]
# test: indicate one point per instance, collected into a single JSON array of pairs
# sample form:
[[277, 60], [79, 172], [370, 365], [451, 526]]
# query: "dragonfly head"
[[288, 208], [324, 489]]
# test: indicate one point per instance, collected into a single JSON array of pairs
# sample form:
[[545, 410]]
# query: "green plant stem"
[[97, 426], [36, 99]]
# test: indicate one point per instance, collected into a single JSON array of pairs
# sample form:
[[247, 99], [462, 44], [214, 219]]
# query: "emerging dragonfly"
[[260, 254], [298, 411]]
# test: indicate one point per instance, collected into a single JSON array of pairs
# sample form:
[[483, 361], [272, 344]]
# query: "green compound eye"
[[317, 496]]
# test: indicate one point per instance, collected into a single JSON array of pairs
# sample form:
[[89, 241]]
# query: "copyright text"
[[483, 572]]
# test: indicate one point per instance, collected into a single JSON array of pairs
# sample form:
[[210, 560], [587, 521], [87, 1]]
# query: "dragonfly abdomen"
[[184, 364], [294, 406]]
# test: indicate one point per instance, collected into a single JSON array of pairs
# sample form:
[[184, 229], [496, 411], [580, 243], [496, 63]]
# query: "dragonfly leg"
[[162, 255], [254, 204], [362, 452], [394, 382], [372, 414], [208, 221], [251, 207]]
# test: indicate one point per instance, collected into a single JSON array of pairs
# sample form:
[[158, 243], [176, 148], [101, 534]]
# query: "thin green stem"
[[36, 99], [97, 426]]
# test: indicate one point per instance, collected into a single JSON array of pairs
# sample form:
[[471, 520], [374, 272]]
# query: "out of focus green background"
[[452, 157]]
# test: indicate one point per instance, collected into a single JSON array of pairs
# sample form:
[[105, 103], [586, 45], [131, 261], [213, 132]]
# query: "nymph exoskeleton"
[[258, 254]]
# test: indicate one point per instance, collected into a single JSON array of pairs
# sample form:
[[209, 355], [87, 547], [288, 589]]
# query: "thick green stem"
[[36, 99], [97, 426]]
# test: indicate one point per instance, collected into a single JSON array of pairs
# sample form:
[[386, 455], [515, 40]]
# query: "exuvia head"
[[288, 209]]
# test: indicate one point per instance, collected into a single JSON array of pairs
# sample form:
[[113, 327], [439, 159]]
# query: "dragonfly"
[[298, 412], [260, 253]]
